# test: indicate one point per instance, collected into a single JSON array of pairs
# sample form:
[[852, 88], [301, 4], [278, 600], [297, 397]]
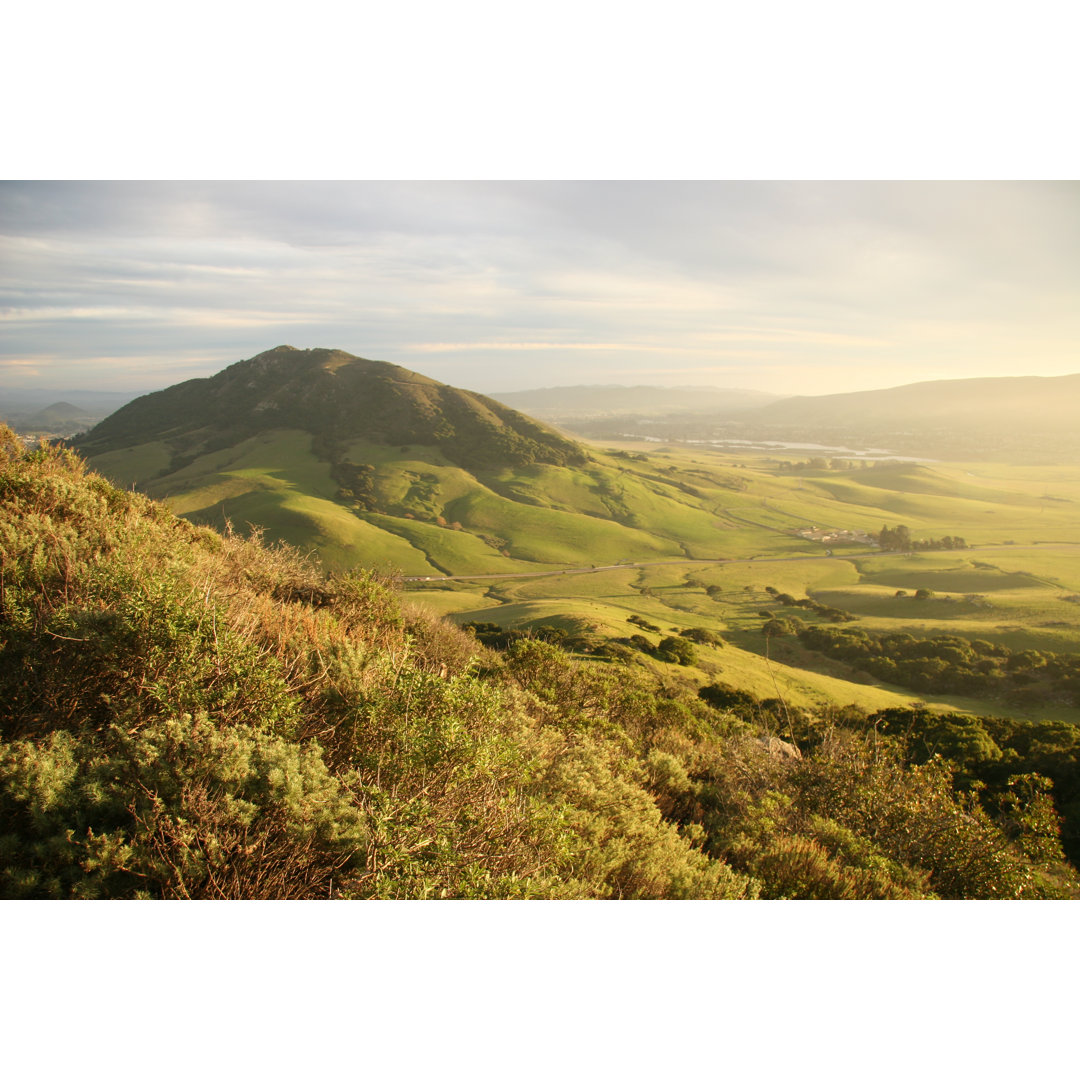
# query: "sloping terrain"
[[677, 520], [332, 396], [1023, 402], [190, 715]]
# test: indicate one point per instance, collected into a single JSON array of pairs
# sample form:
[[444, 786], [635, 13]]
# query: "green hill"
[[366, 462], [334, 397], [185, 714]]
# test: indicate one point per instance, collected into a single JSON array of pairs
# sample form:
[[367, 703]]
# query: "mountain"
[[363, 461], [98, 403], [334, 397], [582, 402], [40, 412], [1028, 401], [62, 418], [366, 463], [997, 417]]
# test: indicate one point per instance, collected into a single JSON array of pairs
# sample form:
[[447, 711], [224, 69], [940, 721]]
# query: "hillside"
[[98, 403], [60, 418], [190, 715], [981, 416], [966, 403], [334, 397]]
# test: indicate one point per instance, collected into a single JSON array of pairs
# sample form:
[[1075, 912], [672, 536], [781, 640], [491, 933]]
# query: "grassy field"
[[1012, 587], [717, 530]]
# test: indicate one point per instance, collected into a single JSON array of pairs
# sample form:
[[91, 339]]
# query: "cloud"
[[858, 283]]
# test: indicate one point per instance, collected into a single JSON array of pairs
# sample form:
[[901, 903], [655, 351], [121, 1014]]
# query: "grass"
[[196, 716], [738, 515]]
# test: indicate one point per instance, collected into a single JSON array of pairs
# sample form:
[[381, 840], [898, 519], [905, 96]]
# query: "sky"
[[803, 286], [796, 287]]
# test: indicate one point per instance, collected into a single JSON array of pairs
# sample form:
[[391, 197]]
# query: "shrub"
[[178, 809]]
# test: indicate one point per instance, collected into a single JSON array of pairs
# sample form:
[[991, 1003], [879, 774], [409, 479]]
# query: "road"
[[1007, 548]]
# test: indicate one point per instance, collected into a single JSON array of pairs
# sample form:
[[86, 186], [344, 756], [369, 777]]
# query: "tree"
[[898, 539], [676, 650]]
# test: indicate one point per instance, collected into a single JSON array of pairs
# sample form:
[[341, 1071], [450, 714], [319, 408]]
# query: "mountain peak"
[[333, 396]]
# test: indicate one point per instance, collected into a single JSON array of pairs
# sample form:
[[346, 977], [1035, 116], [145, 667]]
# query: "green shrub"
[[178, 809]]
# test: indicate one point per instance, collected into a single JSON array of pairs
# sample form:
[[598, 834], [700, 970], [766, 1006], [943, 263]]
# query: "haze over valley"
[[1024, 418]]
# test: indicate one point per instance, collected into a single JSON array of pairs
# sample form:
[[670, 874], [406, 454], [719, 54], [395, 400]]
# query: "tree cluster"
[[900, 539], [949, 664], [810, 604]]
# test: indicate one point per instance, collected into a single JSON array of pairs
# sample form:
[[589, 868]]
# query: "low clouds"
[[800, 287]]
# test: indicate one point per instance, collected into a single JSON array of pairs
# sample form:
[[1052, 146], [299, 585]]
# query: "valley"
[[463, 655], [578, 538], [1019, 593], [705, 540]]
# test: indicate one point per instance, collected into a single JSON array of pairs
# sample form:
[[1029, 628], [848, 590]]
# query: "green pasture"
[[451, 602], [746, 668], [580, 491], [542, 535], [599, 585], [448, 551], [133, 465], [1058, 567], [687, 508], [273, 459]]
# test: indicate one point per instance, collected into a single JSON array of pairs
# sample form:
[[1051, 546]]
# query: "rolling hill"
[[367, 464], [987, 417]]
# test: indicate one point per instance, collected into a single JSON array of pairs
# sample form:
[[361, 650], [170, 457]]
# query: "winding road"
[[829, 554]]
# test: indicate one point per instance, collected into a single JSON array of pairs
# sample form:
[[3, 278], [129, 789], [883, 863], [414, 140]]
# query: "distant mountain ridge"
[[61, 418], [1029, 418], [97, 402], [1039, 399], [1020, 417], [564, 402]]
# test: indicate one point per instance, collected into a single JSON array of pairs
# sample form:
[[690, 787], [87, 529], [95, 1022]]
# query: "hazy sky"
[[792, 287]]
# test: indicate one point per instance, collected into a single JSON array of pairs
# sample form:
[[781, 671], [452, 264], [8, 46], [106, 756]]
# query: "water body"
[[870, 454]]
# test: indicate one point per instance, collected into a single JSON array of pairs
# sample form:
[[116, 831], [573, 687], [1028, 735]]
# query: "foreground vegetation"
[[190, 714]]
